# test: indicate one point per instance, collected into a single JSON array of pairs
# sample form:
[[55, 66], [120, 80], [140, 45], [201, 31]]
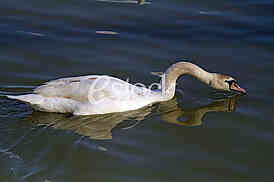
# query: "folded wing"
[[89, 88]]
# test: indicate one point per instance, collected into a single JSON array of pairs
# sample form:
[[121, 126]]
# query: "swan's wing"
[[88, 88], [73, 87], [70, 79]]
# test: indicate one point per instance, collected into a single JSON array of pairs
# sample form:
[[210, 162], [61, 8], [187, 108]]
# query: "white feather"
[[88, 95]]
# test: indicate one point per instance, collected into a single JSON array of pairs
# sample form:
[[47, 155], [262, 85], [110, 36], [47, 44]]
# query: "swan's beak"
[[235, 87]]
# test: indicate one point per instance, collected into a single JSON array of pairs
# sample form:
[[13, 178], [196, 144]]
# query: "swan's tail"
[[28, 98], [23, 90]]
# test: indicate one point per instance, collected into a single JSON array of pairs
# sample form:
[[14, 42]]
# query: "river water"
[[198, 136]]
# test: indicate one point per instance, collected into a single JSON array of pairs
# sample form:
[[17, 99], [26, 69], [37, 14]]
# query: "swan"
[[101, 94]]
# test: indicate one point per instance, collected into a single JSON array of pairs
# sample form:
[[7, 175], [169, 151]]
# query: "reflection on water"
[[140, 2], [194, 116], [100, 127], [94, 126]]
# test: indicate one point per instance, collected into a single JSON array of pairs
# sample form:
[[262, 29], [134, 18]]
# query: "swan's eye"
[[230, 82]]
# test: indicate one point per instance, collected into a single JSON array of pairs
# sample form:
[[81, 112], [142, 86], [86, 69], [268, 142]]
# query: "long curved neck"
[[182, 68]]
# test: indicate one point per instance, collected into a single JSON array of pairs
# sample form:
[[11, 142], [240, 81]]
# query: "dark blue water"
[[194, 137]]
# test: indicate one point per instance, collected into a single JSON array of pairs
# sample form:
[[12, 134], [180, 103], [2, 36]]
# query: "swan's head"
[[227, 83]]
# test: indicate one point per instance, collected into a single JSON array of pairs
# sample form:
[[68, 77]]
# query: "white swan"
[[97, 94]]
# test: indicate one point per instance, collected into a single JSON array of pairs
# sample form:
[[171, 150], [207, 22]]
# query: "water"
[[193, 137]]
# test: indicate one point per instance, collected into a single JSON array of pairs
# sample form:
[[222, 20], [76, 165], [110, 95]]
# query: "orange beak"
[[235, 87]]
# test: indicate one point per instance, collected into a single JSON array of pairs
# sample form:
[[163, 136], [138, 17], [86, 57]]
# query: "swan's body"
[[97, 94]]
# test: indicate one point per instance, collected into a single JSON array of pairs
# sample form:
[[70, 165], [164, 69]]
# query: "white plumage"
[[87, 95]]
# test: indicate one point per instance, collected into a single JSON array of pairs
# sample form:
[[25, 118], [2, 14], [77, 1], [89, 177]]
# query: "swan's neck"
[[176, 70]]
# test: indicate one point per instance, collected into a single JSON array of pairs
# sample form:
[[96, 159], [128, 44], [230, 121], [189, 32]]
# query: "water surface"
[[194, 137]]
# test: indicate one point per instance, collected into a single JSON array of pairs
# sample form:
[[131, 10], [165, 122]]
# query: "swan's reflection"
[[97, 127], [194, 116], [100, 127]]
